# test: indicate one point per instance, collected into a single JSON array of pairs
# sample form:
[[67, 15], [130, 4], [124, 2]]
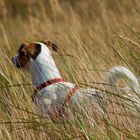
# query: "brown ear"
[[50, 45]]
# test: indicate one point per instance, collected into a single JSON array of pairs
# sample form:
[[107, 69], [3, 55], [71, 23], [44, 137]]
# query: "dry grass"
[[97, 35]]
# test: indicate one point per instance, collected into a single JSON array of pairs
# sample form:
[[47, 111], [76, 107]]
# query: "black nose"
[[12, 59]]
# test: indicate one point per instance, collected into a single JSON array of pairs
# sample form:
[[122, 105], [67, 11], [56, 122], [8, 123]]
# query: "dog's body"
[[43, 68], [37, 56]]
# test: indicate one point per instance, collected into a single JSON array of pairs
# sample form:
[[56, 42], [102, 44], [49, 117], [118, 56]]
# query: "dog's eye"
[[22, 54], [27, 56]]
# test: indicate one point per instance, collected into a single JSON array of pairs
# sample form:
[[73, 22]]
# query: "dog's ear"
[[50, 45], [30, 50]]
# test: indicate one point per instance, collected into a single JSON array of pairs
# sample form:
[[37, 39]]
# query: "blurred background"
[[92, 36], [86, 26]]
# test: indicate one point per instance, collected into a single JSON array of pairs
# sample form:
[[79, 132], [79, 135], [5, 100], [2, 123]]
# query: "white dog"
[[52, 91]]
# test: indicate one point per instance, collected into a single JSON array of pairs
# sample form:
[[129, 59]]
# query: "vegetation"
[[92, 36]]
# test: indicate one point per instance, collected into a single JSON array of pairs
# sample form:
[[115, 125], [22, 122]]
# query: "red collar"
[[48, 83]]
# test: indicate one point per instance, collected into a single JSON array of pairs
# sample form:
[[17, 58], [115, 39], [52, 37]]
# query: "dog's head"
[[30, 51]]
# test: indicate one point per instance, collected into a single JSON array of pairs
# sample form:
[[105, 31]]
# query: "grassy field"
[[92, 36]]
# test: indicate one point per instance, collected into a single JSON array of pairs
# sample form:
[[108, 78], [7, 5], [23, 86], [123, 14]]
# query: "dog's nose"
[[12, 59]]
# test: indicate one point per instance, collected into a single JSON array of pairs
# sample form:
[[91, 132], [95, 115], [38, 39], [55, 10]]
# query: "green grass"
[[92, 37]]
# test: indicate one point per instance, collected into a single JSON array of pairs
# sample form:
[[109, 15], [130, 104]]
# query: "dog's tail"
[[119, 72]]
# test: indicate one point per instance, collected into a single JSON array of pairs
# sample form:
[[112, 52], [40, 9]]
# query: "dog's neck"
[[43, 68]]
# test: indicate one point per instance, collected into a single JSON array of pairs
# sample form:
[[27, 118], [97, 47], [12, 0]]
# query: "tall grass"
[[92, 37]]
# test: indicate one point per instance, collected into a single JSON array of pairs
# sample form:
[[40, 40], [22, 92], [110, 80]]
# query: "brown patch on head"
[[27, 51], [50, 45]]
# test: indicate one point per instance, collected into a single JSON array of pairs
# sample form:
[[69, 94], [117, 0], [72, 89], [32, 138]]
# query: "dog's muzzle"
[[15, 61]]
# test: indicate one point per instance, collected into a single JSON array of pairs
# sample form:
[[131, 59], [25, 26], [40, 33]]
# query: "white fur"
[[119, 72], [132, 93], [43, 68]]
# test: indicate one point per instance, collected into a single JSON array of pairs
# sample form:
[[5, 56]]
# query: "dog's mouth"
[[19, 66]]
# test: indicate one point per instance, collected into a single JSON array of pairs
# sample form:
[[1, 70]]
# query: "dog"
[[52, 92]]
